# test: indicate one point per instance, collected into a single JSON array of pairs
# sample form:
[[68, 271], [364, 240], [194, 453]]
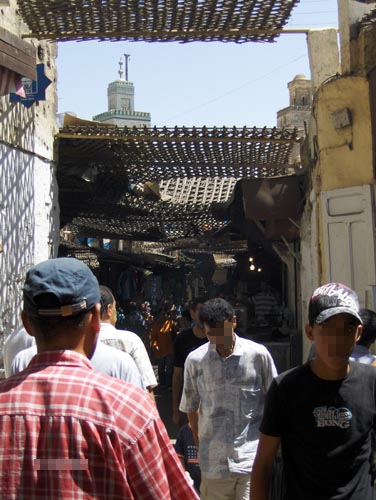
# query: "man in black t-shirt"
[[186, 342], [322, 413]]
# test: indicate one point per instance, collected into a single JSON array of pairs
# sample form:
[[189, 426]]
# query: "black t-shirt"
[[185, 343], [326, 430]]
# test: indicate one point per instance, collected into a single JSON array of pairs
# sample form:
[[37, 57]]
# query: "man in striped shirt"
[[68, 432]]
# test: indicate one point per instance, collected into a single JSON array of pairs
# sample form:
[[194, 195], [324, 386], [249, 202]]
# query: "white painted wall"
[[29, 213], [309, 269]]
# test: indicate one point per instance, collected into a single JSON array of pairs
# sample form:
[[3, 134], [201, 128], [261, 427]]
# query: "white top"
[[105, 359], [129, 342], [229, 394], [17, 341], [362, 355]]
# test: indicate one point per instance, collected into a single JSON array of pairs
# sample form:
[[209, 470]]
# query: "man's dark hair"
[[186, 314], [107, 299], [195, 302], [52, 326], [216, 311], [368, 335], [132, 306]]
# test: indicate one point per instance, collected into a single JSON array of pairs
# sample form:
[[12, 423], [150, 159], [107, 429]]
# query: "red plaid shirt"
[[69, 432]]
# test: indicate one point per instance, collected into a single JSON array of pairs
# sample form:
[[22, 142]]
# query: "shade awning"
[[148, 154], [156, 20], [103, 171]]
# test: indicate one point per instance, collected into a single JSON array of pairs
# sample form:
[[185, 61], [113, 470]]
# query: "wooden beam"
[[200, 34], [151, 138], [17, 55]]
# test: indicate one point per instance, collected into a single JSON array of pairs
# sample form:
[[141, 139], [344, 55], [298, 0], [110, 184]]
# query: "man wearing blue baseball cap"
[[323, 413], [67, 431]]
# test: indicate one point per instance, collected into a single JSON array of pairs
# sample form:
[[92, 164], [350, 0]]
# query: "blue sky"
[[196, 83]]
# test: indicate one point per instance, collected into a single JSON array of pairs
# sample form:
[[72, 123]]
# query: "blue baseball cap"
[[60, 287]]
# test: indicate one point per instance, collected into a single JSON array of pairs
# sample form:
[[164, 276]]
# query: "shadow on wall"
[[17, 219]]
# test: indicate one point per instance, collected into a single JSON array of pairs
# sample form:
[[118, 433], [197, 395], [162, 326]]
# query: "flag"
[[10, 82]]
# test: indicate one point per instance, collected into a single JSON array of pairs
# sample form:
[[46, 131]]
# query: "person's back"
[[130, 343], [323, 413], [69, 432], [14, 343], [86, 442], [124, 340], [105, 359], [265, 305]]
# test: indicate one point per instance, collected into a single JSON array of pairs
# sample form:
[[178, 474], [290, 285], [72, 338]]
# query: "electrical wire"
[[249, 82]]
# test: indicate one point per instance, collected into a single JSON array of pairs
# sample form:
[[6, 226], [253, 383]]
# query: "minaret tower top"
[[120, 96]]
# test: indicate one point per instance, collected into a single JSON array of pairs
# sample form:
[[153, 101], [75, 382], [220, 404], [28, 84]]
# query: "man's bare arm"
[[263, 466], [151, 394]]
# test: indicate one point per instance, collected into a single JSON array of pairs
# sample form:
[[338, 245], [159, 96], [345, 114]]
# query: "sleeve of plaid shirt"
[[154, 470]]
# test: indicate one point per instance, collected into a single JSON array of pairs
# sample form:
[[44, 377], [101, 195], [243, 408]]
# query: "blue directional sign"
[[35, 90]]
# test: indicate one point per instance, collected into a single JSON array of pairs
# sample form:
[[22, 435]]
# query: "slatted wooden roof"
[[92, 256], [194, 167], [165, 153], [194, 246], [157, 20], [142, 219]]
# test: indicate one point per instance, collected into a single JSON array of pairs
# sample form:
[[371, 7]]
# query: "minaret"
[[299, 110], [298, 113], [120, 94]]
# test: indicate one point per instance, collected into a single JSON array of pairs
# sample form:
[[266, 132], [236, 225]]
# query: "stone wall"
[[29, 213]]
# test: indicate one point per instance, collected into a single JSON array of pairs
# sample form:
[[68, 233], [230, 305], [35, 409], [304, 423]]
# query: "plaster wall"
[[349, 13], [29, 213], [344, 155], [323, 55]]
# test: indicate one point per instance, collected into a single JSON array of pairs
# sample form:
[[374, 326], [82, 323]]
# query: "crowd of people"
[[78, 417]]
